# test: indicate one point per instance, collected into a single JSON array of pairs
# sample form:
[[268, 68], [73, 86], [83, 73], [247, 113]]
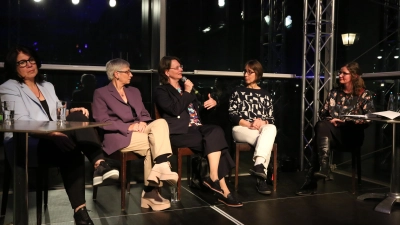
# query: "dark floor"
[[334, 204]]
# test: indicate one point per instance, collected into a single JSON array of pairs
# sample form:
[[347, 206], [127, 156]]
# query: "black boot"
[[323, 151], [82, 217], [310, 186]]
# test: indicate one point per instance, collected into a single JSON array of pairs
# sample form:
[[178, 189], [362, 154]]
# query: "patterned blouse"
[[194, 118], [339, 103], [250, 104]]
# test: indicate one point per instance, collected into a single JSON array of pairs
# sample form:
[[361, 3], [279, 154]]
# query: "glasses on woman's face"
[[249, 72], [344, 73], [24, 63], [127, 72], [177, 68]]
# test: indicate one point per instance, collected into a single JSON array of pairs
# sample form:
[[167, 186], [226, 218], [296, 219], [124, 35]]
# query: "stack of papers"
[[384, 114]]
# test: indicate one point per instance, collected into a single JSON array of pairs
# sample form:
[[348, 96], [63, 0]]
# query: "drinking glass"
[[8, 111], [174, 194], [61, 111]]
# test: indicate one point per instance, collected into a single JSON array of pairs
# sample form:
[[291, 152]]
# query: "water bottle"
[[391, 102]]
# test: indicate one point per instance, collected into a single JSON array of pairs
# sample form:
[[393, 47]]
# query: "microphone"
[[183, 79]]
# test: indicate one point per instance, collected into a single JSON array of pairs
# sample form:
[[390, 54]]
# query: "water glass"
[[61, 111], [174, 194], [8, 111]]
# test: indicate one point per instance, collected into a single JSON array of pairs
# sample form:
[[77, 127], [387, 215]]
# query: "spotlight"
[[37, 0], [379, 57], [396, 56], [113, 3], [75, 2], [288, 21], [206, 29], [221, 3], [267, 19]]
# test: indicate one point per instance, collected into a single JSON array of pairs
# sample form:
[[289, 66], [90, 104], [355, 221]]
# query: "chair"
[[355, 165], [123, 157], [244, 147], [179, 152]]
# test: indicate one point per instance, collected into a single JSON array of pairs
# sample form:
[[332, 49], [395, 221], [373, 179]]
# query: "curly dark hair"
[[356, 80], [165, 64], [10, 63]]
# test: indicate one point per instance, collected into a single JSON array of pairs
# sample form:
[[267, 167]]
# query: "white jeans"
[[262, 141]]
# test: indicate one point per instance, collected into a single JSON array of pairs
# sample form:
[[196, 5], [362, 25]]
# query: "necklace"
[[38, 91]]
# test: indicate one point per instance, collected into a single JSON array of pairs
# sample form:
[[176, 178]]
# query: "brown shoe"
[[163, 172], [154, 200]]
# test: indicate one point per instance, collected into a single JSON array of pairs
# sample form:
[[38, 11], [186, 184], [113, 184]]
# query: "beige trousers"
[[153, 142]]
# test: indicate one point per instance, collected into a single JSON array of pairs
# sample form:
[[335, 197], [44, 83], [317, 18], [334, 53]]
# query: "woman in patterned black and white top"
[[250, 110], [334, 130]]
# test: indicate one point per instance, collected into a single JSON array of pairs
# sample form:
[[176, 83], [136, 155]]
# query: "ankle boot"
[[323, 151], [81, 217], [310, 185]]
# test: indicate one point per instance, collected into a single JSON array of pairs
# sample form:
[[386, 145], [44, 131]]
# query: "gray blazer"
[[28, 107], [108, 106]]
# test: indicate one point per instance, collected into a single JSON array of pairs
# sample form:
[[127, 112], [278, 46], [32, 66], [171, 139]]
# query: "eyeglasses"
[[127, 72], [344, 73], [23, 63], [248, 72], [177, 68]]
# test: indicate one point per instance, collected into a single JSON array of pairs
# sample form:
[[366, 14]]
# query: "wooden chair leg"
[[123, 180], [188, 170], [128, 181], [179, 162], [275, 150], [6, 187], [237, 168]]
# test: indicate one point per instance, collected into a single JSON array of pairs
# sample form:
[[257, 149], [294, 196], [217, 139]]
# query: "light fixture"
[[396, 56], [221, 3], [348, 39], [267, 19], [37, 0], [379, 57], [75, 2], [207, 29], [113, 3], [288, 21]]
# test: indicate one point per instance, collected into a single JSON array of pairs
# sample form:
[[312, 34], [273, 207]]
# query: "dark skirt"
[[206, 139]]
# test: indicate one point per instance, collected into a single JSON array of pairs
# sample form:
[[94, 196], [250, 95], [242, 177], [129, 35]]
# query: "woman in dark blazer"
[[180, 108]]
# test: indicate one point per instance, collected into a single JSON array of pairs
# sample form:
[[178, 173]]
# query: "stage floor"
[[334, 204]]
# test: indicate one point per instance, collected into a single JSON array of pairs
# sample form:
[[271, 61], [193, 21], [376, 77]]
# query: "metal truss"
[[391, 46], [273, 35], [317, 74]]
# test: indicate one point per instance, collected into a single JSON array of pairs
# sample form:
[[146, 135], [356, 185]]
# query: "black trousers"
[[71, 163], [206, 139], [347, 135]]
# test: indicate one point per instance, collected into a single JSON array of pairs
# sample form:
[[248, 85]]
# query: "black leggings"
[[206, 139], [71, 163]]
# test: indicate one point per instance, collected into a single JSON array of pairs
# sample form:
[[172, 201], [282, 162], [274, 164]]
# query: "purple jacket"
[[108, 106]]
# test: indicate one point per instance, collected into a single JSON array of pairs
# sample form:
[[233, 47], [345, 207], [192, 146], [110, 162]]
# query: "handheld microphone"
[[183, 79]]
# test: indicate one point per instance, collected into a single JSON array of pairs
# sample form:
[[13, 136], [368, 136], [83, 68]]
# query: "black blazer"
[[173, 107]]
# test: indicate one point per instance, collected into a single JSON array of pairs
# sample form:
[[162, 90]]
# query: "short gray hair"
[[115, 65]]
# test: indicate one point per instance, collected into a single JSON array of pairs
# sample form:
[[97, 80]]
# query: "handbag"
[[200, 170]]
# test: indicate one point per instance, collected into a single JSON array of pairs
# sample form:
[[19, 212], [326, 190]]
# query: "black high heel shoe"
[[81, 217]]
